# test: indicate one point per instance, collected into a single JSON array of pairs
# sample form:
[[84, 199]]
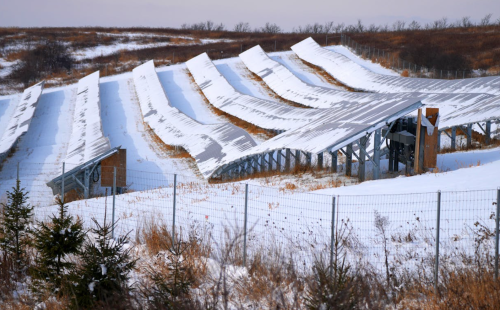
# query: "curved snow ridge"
[[87, 139], [19, 124], [262, 113], [354, 75], [210, 145]]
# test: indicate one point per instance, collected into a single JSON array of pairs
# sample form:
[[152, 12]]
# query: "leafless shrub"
[[242, 27]]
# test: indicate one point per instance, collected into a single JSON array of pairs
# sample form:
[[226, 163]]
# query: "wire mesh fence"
[[404, 67], [389, 233]]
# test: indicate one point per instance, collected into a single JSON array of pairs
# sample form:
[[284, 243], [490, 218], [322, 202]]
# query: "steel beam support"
[[298, 158], [309, 159], [439, 140], [278, 161], [271, 159], [334, 161], [320, 160], [376, 154], [287, 160], [262, 162], [362, 159], [488, 132], [391, 156], [86, 183], [348, 160], [453, 138], [469, 135]]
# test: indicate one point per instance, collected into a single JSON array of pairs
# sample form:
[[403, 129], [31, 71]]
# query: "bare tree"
[[485, 21], [373, 28], [414, 25], [359, 26], [398, 25], [328, 27], [465, 22], [340, 28], [271, 28], [242, 27]]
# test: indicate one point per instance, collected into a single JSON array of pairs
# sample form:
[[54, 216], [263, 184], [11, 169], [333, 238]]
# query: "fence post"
[[62, 183], [496, 233], [245, 227], [332, 237], [173, 215], [436, 267], [114, 200]]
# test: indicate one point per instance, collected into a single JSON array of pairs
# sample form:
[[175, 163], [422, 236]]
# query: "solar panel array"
[[20, 121], [209, 145], [87, 139], [353, 75], [455, 108], [262, 113]]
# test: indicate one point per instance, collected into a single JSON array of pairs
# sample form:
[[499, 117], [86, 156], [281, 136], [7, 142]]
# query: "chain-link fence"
[[389, 233], [391, 61]]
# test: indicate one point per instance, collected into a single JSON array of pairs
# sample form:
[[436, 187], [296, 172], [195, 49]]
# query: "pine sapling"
[[102, 277], [55, 240], [15, 227]]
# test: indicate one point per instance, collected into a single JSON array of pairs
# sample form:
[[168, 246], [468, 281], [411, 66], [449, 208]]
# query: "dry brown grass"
[[15, 55], [468, 288], [405, 73]]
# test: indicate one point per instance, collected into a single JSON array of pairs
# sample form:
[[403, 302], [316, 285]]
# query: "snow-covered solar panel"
[[209, 145], [87, 139], [336, 130], [19, 123], [288, 86], [358, 77], [455, 109], [262, 113]]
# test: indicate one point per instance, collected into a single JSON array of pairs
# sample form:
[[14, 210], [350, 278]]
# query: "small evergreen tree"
[[171, 278], [15, 227], [102, 277], [55, 240]]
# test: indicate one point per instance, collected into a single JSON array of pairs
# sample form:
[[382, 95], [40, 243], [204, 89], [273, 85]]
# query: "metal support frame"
[[278, 160], [439, 141], [114, 205], [287, 160], [453, 138], [298, 158], [332, 237], [309, 159], [334, 161], [469, 135], [438, 225], [173, 211], [245, 227], [271, 159], [62, 181], [487, 133], [320, 160], [376, 154], [497, 218], [361, 158], [348, 160]]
